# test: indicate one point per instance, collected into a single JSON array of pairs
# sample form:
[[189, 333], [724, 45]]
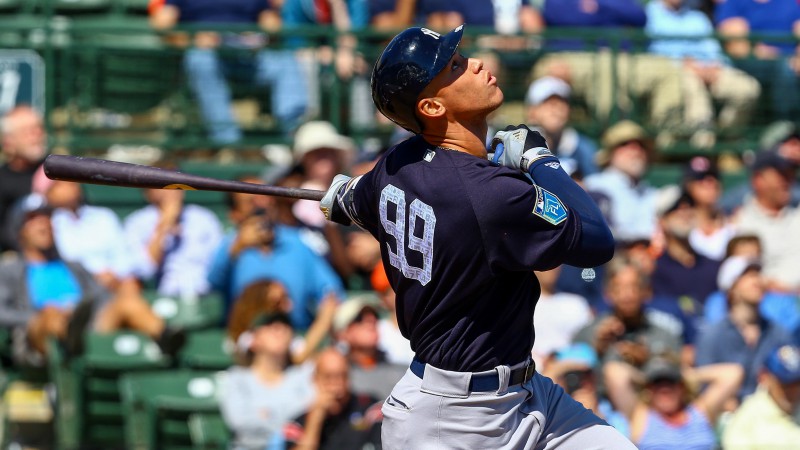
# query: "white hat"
[[347, 312], [732, 269], [319, 134], [546, 87]]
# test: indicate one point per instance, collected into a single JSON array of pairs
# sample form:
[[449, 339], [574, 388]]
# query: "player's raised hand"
[[518, 146]]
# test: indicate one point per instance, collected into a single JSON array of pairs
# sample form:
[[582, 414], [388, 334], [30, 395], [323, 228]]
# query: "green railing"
[[111, 79]]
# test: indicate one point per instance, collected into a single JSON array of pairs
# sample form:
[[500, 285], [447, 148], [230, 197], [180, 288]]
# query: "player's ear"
[[431, 107]]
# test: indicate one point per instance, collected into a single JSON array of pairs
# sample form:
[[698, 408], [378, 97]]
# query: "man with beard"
[[681, 273], [24, 146], [764, 420], [627, 149]]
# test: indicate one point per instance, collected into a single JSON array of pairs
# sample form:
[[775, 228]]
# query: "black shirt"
[[358, 425], [459, 238], [13, 186]]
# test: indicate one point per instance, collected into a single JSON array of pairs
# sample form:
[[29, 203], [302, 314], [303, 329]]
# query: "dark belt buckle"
[[529, 371]]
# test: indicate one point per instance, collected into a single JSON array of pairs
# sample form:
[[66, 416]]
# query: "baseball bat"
[[98, 171]]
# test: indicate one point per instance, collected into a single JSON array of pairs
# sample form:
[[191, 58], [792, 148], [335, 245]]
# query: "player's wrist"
[[534, 157]]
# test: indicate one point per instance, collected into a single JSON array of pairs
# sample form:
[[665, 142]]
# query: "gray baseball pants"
[[439, 412]]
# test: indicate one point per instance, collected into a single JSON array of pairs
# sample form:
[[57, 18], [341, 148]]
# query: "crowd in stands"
[[689, 337]]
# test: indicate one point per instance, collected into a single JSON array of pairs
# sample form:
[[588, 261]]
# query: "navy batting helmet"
[[410, 61]]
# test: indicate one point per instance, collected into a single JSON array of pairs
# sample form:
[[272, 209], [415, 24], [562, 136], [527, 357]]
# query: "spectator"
[[322, 153], [771, 61], [769, 215], [215, 56], [607, 80], [767, 419], [268, 297], [557, 318], [241, 206], [445, 15], [390, 339], [681, 274], [173, 242], [707, 76], [627, 151], [781, 137], [355, 328], [743, 336], [24, 145], [43, 296], [573, 368], [629, 335], [702, 184], [392, 15], [670, 412], [548, 109], [338, 418], [259, 398], [324, 239], [89, 235], [779, 308], [260, 249]]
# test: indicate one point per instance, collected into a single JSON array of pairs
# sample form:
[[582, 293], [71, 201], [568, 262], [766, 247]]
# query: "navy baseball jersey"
[[459, 239]]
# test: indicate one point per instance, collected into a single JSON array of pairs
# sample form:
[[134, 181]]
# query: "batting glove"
[[330, 205], [518, 147]]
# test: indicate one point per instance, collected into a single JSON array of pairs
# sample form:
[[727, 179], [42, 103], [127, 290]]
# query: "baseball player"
[[460, 235]]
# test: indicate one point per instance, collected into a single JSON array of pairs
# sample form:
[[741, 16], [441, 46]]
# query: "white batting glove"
[[329, 205], [518, 147]]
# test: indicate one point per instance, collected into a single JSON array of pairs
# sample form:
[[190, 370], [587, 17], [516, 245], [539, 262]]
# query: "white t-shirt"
[[396, 347], [557, 319]]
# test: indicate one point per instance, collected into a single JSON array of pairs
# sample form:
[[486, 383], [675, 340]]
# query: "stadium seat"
[[191, 314], [88, 406], [158, 405], [208, 431], [207, 350]]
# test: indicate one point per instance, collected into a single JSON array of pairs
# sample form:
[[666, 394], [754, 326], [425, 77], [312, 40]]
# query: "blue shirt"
[[611, 14], [459, 239], [664, 22], [475, 12], [777, 307], [306, 276], [723, 343], [696, 434], [52, 284], [766, 17], [305, 12], [217, 11]]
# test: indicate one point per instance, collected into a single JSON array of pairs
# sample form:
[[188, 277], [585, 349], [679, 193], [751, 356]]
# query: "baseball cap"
[[579, 353], [732, 269], [777, 133], [770, 159], [270, 318], [546, 87], [784, 363], [620, 133], [660, 368], [670, 198], [350, 309], [699, 168], [318, 134], [27, 207]]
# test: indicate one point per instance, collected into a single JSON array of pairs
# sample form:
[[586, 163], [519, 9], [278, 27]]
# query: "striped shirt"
[[695, 434]]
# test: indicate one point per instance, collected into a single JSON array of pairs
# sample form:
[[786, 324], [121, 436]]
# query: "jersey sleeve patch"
[[549, 207]]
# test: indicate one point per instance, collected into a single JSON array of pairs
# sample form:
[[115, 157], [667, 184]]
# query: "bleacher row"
[[112, 80], [123, 393]]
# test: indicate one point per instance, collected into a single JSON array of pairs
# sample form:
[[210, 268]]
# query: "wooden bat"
[[98, 171]]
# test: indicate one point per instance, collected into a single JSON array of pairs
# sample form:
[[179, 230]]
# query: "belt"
[[486, 382]]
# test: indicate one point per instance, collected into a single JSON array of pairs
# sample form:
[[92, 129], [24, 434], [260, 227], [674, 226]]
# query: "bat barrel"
[[113, 173]]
